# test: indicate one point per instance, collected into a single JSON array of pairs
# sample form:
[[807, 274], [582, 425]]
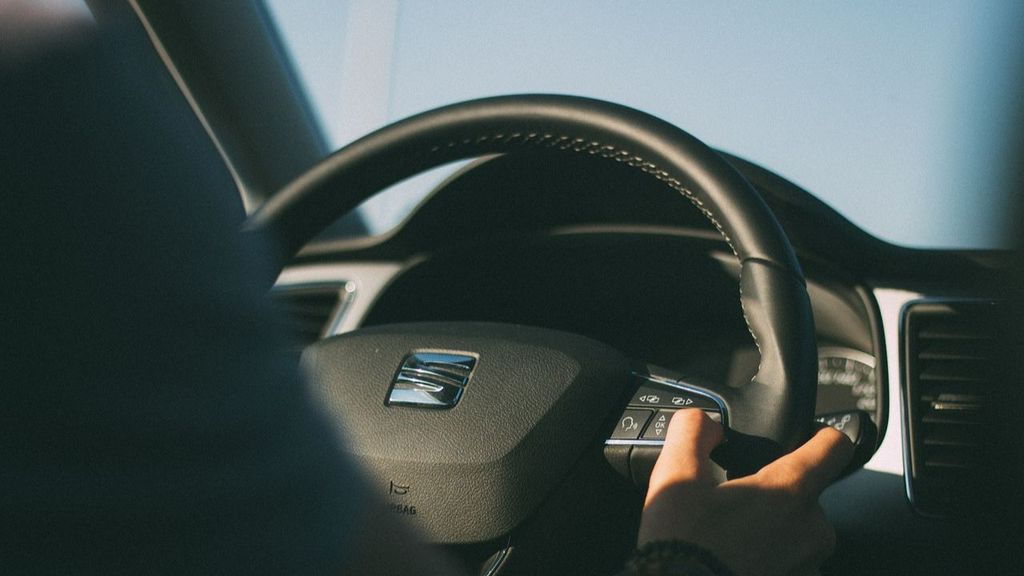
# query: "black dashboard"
[[594, 249]]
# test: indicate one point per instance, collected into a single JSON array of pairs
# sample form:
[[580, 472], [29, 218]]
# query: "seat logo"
[[431, 380]]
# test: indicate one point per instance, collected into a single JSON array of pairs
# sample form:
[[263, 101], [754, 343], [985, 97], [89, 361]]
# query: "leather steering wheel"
[[518, 383]]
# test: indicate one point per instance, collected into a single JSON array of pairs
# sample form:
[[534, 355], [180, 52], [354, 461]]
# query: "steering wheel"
[[462, 425]]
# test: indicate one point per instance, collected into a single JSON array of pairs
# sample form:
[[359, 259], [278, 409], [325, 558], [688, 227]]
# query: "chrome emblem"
[[431, 380]]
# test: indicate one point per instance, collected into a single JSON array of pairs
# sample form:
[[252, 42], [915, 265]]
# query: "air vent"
[[950, 383], [313, 311]]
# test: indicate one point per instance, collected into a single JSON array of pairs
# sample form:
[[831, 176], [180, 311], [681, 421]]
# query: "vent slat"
[[952, 333], [954, 370], [951, 377], [955, 349], [956, 458], [313, 309], [952, 418], [946, 462], [308, 326], [966, 436], [948, 394]]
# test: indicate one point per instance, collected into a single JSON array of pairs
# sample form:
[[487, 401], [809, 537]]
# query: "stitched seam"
[[594, 148]]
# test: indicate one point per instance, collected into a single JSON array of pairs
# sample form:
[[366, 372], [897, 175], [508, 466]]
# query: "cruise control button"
[[659, 425], [666, 397], [631, 423]]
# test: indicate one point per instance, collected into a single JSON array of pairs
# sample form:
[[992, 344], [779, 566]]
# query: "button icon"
[[659, 425], [631, 423], [667, 397]]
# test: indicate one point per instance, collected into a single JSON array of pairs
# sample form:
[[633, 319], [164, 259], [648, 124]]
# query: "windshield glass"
[[891, 112]]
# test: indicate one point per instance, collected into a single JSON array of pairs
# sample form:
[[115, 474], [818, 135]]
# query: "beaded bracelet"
[[674, 558]]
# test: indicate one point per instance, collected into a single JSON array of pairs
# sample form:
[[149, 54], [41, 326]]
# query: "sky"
[[894, 113]]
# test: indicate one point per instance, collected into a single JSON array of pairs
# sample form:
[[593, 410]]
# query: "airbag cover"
[[535, 401]]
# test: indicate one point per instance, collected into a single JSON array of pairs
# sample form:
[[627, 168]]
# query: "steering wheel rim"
[[777, 404]]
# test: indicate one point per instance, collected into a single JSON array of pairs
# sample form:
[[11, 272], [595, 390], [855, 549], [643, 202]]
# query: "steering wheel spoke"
[[657, 394]]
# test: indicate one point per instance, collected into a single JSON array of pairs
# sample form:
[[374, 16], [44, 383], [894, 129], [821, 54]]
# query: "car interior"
[[502, 362]]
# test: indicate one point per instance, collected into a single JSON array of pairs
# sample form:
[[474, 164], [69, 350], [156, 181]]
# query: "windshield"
[[891, 112]]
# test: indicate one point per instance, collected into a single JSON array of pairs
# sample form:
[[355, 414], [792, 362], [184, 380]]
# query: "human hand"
[[766, 524]]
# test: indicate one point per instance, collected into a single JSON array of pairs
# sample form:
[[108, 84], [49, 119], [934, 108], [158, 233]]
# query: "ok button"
[[659, 425]]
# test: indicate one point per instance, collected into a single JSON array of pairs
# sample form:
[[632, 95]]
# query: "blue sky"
[[892, 112]]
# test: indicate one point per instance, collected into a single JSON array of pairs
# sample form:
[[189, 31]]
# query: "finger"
[[686, 455], [813, 466]]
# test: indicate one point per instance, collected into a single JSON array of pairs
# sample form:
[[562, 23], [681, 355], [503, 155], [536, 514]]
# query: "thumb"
[[686, 455]]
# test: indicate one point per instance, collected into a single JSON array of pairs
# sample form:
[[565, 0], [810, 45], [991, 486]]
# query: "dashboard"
[[599, 251]]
